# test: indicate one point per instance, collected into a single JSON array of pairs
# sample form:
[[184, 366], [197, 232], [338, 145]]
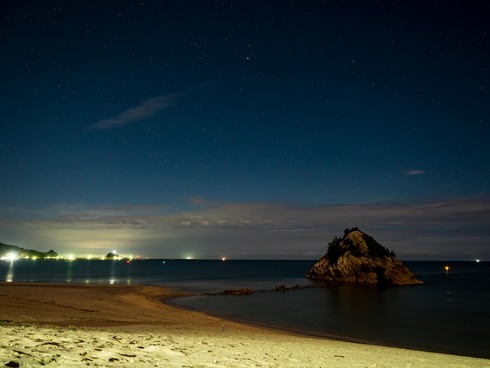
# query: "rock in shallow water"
[[358, 259]]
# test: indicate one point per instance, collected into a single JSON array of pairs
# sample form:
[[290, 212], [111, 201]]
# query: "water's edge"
[[310, 333]]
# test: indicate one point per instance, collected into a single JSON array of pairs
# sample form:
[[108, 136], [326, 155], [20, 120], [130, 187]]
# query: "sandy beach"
[[131, 326]]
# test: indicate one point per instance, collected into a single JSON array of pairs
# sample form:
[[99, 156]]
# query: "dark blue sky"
[[245, 128]]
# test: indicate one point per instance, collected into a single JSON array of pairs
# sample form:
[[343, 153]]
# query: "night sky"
[[245, 129]]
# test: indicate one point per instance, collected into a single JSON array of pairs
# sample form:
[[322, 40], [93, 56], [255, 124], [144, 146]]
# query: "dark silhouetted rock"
[[358, 259], [111, 256], [234, 292], [283, 288]]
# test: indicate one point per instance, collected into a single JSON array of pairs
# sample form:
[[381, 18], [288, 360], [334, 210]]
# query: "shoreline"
[[278, 328], [318, 335], [118, 325]]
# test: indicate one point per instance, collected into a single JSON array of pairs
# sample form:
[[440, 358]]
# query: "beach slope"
[[131, 326]]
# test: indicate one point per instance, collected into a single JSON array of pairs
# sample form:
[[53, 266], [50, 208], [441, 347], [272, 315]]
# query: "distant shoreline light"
[[10, 257]]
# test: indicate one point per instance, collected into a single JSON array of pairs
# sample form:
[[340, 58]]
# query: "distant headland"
[[13, 251]]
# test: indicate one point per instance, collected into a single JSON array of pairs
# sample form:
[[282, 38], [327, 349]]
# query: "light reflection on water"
[[196, 276], [113, 279], [10, 272], [68, 273]]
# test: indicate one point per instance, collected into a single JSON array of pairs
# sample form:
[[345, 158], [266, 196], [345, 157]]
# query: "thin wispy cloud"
[[414, 172], [145, 110]]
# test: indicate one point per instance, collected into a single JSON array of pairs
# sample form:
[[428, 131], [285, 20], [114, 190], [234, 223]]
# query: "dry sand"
[[129, 326]]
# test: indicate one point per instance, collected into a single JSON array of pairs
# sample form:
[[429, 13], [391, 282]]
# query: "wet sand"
[[131, 326]]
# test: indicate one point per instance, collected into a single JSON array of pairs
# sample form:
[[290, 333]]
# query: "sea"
[[448, 313]]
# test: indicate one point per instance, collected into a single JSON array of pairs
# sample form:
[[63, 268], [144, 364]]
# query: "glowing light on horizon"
[[10, 257], [223, 259]]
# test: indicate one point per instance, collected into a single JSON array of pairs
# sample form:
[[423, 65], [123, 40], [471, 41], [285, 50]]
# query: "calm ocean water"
[[449, 313]]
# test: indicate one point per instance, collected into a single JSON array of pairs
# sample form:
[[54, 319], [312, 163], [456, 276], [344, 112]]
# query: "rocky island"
[[358, 259]]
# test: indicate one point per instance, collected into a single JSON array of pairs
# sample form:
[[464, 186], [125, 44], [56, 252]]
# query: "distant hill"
[[23, 253]]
